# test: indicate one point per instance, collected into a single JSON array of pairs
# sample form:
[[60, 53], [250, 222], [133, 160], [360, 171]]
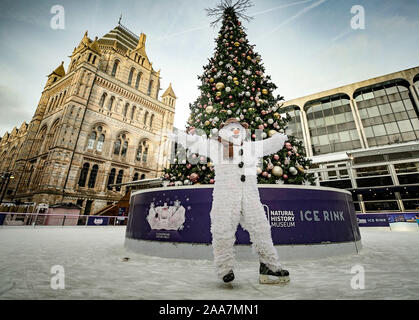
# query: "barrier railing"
[[45, 219]]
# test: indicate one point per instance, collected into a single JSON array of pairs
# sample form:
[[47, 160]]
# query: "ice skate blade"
[[266, 279]]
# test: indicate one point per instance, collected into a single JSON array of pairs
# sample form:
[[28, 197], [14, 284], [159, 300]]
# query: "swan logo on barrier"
[[166, 217], [98, 221]]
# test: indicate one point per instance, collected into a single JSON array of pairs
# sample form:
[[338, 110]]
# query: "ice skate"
[[267, 276], [229, 277]]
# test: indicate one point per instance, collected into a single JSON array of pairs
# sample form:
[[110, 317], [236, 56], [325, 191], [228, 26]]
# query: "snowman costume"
[[236, 195]]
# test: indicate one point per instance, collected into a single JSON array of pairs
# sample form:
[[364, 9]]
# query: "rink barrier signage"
[[384, 219], [298, 215], [98, 221]]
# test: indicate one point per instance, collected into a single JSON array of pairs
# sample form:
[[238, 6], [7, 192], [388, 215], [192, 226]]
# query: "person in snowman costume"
[[236, 196]]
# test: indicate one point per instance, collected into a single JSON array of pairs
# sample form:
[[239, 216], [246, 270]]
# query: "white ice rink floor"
[[92, 258]]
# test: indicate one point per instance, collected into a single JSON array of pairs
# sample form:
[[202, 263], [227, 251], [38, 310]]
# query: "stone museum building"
[[98, 123]]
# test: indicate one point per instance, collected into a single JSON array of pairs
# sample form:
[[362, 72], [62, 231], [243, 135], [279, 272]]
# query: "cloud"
[[13, 113]]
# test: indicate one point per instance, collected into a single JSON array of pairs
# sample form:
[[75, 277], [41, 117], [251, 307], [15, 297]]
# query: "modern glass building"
[[364, 137]]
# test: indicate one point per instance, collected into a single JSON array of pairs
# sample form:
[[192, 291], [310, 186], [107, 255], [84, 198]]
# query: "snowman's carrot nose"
[[236, 131]]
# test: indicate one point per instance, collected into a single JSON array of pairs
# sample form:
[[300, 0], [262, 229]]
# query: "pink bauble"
[[261, 127], [231, 97], [194, 177], [288, 145], [221, 103], [251, 98], [265, 125], [188, 166], [253, 136], [276, 157], [289, 153], [232, 104], [285, 176], [212, 181], [264, 173]]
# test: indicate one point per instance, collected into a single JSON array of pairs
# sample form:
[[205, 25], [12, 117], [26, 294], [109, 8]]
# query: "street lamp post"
[[5, 177]]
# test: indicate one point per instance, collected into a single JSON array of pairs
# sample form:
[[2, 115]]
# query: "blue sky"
[[306, 45]]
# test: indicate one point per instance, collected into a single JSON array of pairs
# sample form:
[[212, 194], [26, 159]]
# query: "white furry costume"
[[236, 195]]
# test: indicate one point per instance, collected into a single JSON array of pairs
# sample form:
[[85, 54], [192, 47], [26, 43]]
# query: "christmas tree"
[[234, 84]]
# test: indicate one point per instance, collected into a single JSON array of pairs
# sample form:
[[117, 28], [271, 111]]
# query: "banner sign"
[[372, 220], [303, 215], [98, 221], [403, 217]]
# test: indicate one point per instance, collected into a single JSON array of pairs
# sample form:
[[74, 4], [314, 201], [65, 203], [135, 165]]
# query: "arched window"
[[131, 74], [102, 100], [119, 179], [133, 112], [117, 147], [135, 177], [137, 82], [110, 104], [145, 117], [83, 175], [94, 59], [111, 179], [115, 68], [150, 87], [121, 145], [100, 142], [50, 140], [93, 175], [142, 177], [142, 151], [96, 139], [92, 141], [151, 120], [126, 110]]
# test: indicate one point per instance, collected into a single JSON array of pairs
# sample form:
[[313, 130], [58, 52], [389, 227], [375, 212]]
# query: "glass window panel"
[[379, 93], [385, 109], [408, 136], [405, 95], [405, 126], [415, 123], [408, 104], [389, 118], [354, 134], [401, 116], [368, 95], [391, 90], [334, 137], [363, 113], [320, 122], [397, 106], [392, 128], [345, 136], [394, 97], [323, 140], [315, 140], [340, 118], [329, 120], [402, 88], [368, 132], [349, 116], [379, 130], [373, 111]]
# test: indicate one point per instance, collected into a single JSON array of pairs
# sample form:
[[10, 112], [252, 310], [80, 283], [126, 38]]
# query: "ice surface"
[[92, 258]]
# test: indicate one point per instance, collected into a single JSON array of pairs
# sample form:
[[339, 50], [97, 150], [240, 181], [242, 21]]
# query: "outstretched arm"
[[270, 145], [195, 143]]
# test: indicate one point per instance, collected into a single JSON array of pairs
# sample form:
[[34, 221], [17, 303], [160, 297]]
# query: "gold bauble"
[[219, 86], [239, 63], [272, 132], [264, 91], [207, 123], [235, 79], [236, 83], [300, 168], [277, 171], [249, 58], [277, 115], [211, 80], [236, 44], [218, 94]]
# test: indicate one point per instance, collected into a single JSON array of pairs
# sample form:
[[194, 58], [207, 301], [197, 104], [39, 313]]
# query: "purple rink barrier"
[[175, 222]]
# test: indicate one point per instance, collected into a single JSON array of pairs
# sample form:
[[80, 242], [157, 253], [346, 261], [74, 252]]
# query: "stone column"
[[413, 92], [358, 123], [305, 126]]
